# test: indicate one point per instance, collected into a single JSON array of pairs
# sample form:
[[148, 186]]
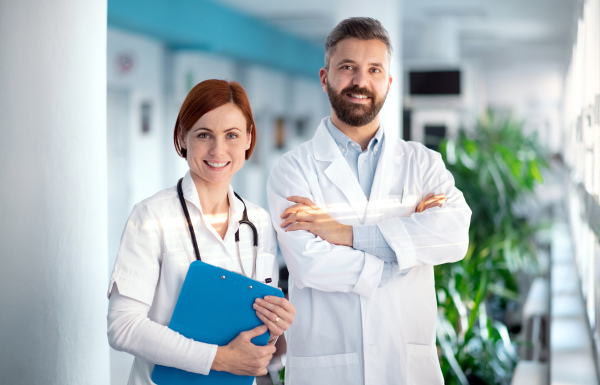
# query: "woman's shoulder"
[[255, 210], [162, 199]]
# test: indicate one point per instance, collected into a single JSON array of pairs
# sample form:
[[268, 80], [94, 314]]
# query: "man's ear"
[[323, 78]]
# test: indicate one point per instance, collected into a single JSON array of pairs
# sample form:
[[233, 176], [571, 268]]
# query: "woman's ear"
[[249, 139], [181, 138]]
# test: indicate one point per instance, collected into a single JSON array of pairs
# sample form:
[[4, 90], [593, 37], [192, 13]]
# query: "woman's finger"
[[275, 328], [266, 312], [281, 302], [278, 307]]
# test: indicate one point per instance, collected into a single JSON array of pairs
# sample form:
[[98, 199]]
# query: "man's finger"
[[299, 199], [300, 226], [304, 201], [294, 209]]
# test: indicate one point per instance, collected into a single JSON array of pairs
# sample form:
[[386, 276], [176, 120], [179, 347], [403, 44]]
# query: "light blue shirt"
[[363, 164]]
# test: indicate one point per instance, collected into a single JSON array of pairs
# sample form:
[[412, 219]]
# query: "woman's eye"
[[202, 136], [231, 136]]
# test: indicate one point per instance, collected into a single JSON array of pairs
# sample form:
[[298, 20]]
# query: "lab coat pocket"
[[399, 205], [175, 264], [266, 271], [332, 369], [423, 365]]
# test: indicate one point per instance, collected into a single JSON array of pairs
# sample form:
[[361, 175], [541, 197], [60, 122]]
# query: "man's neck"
[[361, 135]]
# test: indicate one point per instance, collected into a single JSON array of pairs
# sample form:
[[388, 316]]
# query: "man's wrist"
[[348, 235]]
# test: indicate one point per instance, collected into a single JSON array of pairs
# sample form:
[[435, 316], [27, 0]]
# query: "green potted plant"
[[496, 166]]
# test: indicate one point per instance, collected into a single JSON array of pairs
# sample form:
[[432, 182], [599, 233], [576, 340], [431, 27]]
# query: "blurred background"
[[508, 92]]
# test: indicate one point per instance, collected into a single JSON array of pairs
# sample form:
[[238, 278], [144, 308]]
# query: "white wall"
[[135, 75], [144, 82], [53, 171], [532, 93]]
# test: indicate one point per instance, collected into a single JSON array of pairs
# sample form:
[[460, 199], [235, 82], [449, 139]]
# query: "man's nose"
[[360, 79]]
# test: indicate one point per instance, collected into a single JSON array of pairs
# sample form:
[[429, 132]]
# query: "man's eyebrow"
[[350, 61], [345, 61]]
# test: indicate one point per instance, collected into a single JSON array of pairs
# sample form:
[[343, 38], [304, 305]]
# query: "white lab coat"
[[348, 329], [156, 251]]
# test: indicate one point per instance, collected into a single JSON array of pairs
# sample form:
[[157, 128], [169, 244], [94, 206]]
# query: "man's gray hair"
[[364, 28]]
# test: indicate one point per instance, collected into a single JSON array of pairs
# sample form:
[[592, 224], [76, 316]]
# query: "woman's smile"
[[216, 165]]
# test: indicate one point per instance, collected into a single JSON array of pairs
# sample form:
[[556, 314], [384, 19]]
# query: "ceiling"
[[492, 33]]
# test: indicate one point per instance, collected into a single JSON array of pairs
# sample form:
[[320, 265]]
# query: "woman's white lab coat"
[[350, 327], [156, 252]]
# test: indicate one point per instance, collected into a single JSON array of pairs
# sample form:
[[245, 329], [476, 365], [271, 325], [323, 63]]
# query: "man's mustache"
[[358, 90]]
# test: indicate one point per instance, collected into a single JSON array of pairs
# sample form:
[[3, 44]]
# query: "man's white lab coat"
[[348, 329]]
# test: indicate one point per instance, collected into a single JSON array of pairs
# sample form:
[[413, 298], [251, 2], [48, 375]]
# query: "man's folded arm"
[[313, 262], [437, 235]]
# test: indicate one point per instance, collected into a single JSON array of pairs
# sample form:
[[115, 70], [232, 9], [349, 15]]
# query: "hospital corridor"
[[492, 107]]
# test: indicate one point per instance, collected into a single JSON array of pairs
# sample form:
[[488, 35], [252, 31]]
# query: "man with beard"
[[361, 230]]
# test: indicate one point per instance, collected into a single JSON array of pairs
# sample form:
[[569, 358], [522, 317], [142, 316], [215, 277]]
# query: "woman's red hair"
[[205, 97]]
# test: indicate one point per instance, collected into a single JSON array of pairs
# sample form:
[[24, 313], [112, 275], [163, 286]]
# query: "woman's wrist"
[[220, 361]]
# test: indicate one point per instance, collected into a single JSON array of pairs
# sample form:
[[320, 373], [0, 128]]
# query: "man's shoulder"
[[299, 153], [410, 148]]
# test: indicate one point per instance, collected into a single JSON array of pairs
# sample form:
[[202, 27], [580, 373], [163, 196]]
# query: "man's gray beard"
[[355, 115]]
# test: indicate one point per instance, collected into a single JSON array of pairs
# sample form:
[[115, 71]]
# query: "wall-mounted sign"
[[125, 62]]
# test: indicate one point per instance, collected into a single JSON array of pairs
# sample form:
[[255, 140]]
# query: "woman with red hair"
[[215, 133]]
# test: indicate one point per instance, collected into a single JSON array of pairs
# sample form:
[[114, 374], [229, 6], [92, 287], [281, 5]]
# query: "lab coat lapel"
[[386, 176], [189, 191], [338, 170]]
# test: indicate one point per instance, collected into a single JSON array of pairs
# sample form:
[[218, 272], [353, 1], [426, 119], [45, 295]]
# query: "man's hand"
[[431, 201], [305, 215]]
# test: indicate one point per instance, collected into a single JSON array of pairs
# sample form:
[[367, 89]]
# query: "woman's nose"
[[218, 147]]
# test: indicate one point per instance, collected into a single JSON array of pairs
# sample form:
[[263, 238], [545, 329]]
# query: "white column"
[[53, 191], [389, 13]]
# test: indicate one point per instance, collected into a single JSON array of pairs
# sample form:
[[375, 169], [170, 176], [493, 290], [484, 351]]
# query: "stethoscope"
[[243, 221]]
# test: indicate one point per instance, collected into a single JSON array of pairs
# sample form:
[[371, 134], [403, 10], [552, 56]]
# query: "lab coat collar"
[[324, 146], [236, 207], [339, 172]]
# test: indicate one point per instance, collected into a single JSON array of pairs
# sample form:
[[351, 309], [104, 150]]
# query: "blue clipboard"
[[214, 306]]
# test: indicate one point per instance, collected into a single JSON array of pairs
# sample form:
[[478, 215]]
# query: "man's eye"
[[376, 70], [346, 67]]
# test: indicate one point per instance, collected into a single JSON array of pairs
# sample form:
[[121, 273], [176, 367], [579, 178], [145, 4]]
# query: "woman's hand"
[[276, 313], [242, 357]]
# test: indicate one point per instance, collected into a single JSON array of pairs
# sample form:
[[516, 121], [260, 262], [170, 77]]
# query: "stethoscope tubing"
[[243, 221]]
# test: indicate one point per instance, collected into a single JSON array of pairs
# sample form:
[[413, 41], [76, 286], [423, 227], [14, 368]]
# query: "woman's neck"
[[215, 204]]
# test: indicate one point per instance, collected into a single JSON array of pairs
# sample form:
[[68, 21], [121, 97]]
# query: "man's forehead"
[[351, 49]]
